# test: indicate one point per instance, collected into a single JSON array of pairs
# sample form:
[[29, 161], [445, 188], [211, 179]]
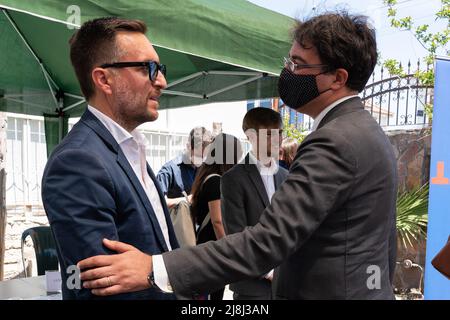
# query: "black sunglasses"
[[153, 67]]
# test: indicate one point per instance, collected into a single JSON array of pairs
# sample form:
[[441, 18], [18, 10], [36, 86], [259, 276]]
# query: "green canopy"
[[221, 50], [215, 50]]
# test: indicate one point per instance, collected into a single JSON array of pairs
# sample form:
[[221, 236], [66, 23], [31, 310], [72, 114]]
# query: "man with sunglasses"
[[332, 222], [97, 182]]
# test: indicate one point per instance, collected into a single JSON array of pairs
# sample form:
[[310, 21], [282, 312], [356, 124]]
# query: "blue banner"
[[437, 286]]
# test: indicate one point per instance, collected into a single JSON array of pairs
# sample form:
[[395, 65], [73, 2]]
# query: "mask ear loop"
[[326, 71]]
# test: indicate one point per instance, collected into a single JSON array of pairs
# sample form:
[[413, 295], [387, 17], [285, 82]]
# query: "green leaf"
[[412, 215]]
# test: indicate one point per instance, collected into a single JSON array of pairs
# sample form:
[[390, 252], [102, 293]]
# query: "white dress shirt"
[[267, 174], [268, 177], [324, 112], [133, 146]]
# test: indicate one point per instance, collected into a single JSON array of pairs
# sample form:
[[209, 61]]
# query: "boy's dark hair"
[[95, 44], [258, 118], [342, 41]]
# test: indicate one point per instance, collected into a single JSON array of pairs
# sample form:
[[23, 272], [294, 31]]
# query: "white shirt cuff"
[[269, 275], [160, 273]]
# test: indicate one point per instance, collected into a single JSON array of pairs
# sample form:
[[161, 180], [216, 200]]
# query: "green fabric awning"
[[215, 50]]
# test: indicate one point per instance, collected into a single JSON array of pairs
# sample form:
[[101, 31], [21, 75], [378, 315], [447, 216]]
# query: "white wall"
[[182, 120]]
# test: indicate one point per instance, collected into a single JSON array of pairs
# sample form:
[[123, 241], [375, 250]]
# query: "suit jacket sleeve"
[[78, 196], [320, 180], [164, 178], [233, 210]]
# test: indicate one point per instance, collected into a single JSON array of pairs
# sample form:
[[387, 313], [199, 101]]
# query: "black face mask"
[[297, 90]]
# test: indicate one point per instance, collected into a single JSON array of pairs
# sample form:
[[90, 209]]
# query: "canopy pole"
[[73, 96], [235, 73], [207, 96], [24, 95], [235, 85], [73, 105], [189, 77], [205, 73], [81, 100], [56, 127], [45, 72], [183, 94], [49, 85], [23, 102]]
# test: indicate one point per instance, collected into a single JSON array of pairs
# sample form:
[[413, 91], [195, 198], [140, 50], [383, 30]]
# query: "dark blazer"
[[91, 192], [332, 221], [244, 198]]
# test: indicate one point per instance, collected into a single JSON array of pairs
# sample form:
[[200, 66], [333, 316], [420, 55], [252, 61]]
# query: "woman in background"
[[287, 152], [222, 154]]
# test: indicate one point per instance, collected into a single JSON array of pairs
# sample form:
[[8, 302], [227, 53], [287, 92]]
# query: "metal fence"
[[398, 101], [25, 160], [27, 156]]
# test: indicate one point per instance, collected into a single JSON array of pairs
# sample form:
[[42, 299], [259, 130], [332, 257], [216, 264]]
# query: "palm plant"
[[412, 215]]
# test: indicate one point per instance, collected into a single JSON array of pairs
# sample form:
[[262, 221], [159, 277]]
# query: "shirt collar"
[[120, 134], [263, 170], [324, 112]]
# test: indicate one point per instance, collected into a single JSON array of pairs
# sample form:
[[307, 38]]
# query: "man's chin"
[[154, 116], [152, 113]]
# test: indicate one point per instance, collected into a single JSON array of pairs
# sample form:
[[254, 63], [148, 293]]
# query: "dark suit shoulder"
[[80, 137], [236, 170], [83, 148], [328, 141]]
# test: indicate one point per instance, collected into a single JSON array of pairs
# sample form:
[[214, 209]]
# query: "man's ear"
[[102, 80], [340, 79]]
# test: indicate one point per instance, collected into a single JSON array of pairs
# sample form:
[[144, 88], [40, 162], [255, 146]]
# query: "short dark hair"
[[342, 41], [95, 44], [258, 118]]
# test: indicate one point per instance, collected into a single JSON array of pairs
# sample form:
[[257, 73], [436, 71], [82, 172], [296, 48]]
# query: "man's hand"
[[118, 273]]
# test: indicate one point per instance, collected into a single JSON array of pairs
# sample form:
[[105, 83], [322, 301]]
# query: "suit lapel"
[[256, 179], [278, 179], [95, 124], [126, 167]]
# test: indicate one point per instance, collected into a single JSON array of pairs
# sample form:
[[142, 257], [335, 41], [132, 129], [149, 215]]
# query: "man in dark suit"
[[332, 222], [97, 183], [248, 187]]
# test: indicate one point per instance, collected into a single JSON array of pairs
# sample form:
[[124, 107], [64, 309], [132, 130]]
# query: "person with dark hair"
[[332, 222], [97, 182], [177, 175], [288, 151], [223, 153], [247, 189]]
